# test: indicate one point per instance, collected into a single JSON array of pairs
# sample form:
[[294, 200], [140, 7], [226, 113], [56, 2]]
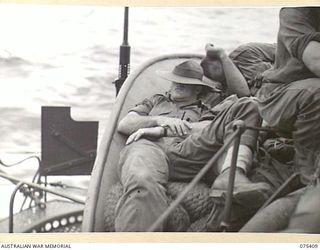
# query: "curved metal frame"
[[11, 205]]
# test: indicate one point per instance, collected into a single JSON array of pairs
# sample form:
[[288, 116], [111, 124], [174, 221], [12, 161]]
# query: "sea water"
[[60, 55]]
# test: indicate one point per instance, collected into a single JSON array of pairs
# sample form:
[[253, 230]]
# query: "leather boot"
[[246, 193]]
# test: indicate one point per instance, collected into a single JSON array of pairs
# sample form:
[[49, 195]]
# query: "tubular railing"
[[21, 183], [234, 137]]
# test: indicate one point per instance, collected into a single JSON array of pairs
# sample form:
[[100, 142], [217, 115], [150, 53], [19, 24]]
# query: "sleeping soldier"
[[172, 136]]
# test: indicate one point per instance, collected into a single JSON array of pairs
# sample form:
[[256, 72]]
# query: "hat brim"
[[169, 76]]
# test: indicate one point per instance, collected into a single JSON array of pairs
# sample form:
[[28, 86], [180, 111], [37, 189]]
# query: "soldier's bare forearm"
[[311, 57], [133, 121]]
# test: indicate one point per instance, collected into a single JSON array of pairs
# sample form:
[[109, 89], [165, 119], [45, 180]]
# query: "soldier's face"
[[184, 92]]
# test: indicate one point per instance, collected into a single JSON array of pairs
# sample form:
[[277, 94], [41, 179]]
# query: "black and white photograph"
[[159, 119]]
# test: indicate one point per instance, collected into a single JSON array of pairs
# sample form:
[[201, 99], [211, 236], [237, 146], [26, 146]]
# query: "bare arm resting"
[[137, 126], [311, 57], [235, 81], [132, 122]]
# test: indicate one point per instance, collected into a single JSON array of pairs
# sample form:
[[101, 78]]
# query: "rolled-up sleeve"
[[144, 107], [298, 27]]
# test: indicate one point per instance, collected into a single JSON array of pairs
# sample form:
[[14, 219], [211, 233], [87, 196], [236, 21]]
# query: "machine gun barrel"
[[124, 61]]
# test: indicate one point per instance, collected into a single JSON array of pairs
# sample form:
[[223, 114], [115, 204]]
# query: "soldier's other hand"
[[135, 136], [153, 132], [214, 52]]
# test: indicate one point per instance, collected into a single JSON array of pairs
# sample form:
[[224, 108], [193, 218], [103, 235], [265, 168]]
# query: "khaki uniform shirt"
[[162, 105]]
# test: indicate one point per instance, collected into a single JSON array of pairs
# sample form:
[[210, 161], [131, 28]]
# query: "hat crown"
[[189, 69]]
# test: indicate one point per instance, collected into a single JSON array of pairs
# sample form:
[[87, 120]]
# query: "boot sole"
[[251, 196]]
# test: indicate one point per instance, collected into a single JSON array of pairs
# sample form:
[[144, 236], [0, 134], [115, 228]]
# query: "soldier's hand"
[[154, 132], [214, 52], [177, 126]]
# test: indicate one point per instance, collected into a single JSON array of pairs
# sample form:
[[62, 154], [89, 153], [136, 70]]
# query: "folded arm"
[[137, 126], [311, 57], [299, 32], [236, 82]]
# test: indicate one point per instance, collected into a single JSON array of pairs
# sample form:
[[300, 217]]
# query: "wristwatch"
[[165, 129]]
